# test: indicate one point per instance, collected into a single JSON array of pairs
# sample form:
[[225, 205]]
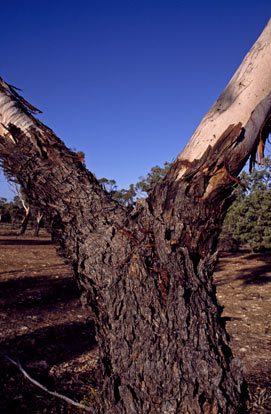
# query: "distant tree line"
[[247, 223], [14, 213], [10, 211], [139, 190]]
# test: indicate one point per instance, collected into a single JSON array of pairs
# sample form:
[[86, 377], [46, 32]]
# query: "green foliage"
[[145, 185], [141, 189], [10, 211], [125, 196], [4, 216], [249, 218], [109, 185]]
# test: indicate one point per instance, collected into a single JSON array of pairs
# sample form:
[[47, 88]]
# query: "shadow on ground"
[[43, 325], [24, 242], [249, 275], [42, 293], [53, 344]]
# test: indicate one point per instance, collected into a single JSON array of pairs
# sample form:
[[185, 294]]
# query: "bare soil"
[[44, 326], [243, 282]]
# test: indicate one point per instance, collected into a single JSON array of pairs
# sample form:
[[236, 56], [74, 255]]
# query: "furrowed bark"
[[147, 271]]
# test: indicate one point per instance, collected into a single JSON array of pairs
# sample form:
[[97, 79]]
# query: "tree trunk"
[[146, 270], [37, 224], [25, 221]]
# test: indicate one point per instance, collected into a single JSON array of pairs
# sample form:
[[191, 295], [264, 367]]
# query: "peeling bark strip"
[[146, 272]]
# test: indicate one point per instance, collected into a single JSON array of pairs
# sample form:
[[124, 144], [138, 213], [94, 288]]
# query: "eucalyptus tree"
[[248, 220], [146, 270], [146, 184]]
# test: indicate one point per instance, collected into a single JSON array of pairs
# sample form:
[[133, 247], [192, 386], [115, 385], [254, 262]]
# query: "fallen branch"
[[55, 394]]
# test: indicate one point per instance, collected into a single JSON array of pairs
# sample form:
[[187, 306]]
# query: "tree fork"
[[147, 271]]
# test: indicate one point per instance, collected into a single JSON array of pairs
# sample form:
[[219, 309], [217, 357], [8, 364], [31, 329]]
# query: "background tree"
[[146, 270], [5, 213], [21, 198], [141, 189], [147, 184], [126, 197], [18, 210], [109, 185], [38, 222], [249, 218], [123, 196], [11, 211]]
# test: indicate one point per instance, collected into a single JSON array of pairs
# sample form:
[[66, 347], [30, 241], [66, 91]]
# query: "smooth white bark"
[[246, 99]]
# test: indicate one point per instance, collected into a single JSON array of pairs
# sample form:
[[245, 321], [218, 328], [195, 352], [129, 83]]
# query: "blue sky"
[[125, 81]]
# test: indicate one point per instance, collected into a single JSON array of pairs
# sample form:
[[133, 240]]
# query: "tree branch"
[[38, 384], [246, 100]]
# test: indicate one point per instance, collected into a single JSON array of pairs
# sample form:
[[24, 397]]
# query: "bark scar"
[[164, 281], [138, 243]]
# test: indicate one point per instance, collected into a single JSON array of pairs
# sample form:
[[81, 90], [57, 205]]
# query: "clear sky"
[[125, 81]]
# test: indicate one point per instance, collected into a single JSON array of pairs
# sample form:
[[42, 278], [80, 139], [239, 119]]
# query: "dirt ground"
[[43, 325]]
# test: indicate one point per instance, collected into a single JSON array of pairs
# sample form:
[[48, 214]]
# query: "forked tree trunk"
[[16, 188], [147, 271]]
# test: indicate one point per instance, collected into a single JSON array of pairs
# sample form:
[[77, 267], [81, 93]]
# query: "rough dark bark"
[[146, 271]]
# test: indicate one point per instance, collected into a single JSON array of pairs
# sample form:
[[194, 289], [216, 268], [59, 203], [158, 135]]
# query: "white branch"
[[55, 394], [19, 194], [246, 99]]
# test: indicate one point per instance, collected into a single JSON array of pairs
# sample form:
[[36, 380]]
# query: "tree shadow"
[[25, 242], [45, 328], [31, 300], [39, 293], [258, 275], [230, 254], [39, 352], [53, 344]]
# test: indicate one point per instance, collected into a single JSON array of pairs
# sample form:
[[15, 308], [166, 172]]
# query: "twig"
[[55, 394]]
